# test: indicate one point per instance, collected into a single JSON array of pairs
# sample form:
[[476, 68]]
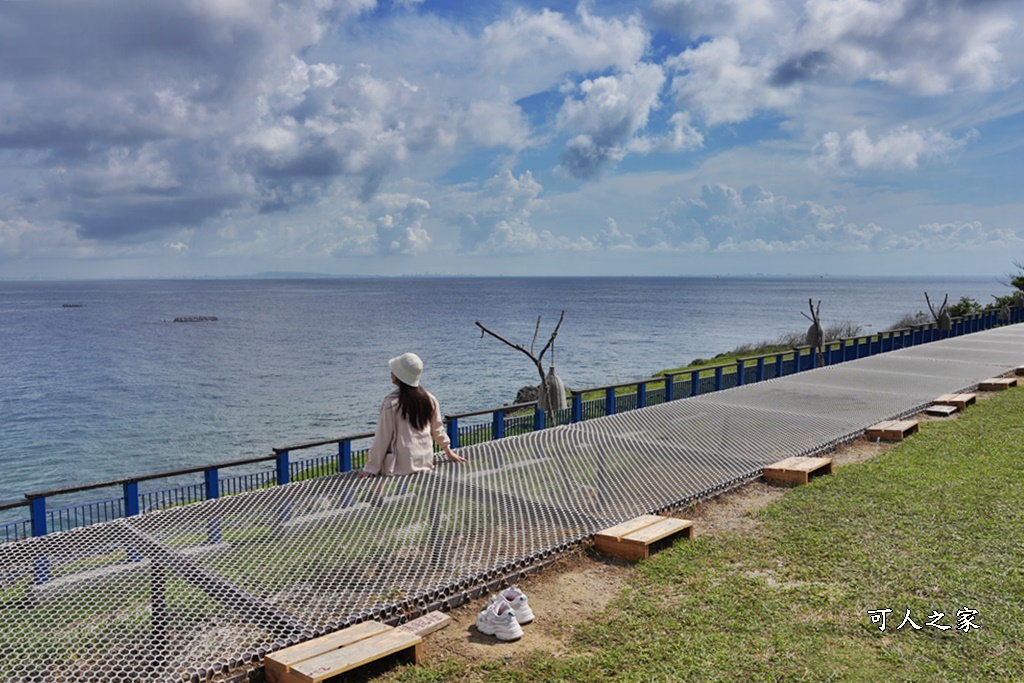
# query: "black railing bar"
[[147, 477], [323, 442], [11, 504], [512, 408]]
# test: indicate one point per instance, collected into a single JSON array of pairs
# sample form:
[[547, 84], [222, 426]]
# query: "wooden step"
[[997, 384], [637, 538], [892, 430], [796, 471], [960, 401], [940, 410], [1020, 370], [428, 623], [321, 658]]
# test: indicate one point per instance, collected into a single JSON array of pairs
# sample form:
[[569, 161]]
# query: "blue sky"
[[673, 137]]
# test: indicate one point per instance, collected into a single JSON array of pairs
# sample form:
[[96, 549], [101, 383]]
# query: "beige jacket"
[[397, 447]]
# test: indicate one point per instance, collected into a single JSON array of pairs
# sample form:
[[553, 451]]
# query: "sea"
[[98, 381]]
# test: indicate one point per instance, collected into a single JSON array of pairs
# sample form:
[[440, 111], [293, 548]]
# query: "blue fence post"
[[577, 407], [539, 419], [780, 365], [609, 401], [670, 387], [283, 473], [131, 498], [37, 514], [740, 371], [718, 378], [453, 431], [344, 455], [694, 382], [498, 424], [641, 394], [212, 485], [760, 369]]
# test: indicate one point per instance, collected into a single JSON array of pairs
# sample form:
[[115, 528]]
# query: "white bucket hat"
[[407, 368]]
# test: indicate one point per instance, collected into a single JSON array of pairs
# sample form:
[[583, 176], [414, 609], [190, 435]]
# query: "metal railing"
[[464, 429]]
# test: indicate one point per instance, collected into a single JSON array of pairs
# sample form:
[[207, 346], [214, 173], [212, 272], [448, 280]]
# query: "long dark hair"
[[415, 405]]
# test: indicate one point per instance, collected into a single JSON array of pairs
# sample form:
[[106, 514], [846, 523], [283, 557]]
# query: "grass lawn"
[[933, 525]]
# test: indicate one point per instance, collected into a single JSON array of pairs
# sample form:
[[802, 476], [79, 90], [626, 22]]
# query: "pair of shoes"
[[504, 615], [517, 599], [499, 619]]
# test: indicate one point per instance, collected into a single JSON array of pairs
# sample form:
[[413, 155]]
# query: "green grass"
[[935, 524]]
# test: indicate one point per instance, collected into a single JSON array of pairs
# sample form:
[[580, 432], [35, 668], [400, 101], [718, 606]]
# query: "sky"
[[197, 138]]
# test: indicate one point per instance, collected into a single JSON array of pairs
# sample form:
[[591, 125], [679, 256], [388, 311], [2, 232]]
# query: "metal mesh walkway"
[[190, 592]]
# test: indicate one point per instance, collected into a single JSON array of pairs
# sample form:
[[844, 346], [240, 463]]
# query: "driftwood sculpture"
[[1005, 310], [942, 319], [815, 333], [552, 390]]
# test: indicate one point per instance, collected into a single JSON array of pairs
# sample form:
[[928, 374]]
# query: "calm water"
[[111, 388]]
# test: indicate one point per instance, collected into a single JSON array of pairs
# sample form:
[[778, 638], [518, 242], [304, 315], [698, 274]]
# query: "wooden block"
[[892, 430], [940, 410], [637, 538], [797, 471], [629, 526], [997, 384], [1020, 370], [355, 655], [961, 401], [428, 623], [321, 658]]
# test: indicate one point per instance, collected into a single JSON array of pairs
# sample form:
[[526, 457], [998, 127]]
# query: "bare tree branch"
[[553, 335], [538, 361], [536, 330]]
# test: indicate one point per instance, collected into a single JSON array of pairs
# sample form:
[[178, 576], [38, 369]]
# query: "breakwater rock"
[[196, 319]]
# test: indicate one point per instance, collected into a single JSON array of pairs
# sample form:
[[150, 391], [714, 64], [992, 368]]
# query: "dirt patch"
[[564, 594]]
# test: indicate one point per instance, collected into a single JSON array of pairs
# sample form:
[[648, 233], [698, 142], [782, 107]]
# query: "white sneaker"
[[499, 619], [517, 599]]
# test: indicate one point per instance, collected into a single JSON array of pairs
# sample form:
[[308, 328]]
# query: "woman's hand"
[[453, 456], [363, 474]]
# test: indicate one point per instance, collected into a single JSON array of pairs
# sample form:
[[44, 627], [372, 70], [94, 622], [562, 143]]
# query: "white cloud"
[[496, 123], [724, 86], [902, 149], [20, 235], [914, 45], [968, 236], [682, 136], [536, 49], [401, 230], [724, 219], [501, 220], [612, 110]]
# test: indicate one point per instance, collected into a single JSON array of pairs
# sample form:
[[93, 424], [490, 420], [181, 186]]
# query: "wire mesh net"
[[208, 588]]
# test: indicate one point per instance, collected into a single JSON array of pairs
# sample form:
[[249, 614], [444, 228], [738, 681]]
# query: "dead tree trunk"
[[815, 333], [941, 317], [546, 381]]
